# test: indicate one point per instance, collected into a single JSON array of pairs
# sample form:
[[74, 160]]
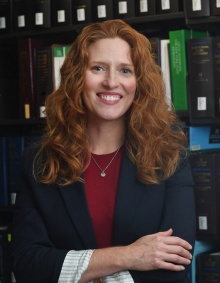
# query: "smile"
[[110, 97]]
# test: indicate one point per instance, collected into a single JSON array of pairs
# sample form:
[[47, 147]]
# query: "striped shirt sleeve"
[[75, 264]]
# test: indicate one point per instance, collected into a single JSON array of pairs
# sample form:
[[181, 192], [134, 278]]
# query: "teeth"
[[110, 97]]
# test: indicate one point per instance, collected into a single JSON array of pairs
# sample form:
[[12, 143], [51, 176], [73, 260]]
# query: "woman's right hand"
[[159, 251]]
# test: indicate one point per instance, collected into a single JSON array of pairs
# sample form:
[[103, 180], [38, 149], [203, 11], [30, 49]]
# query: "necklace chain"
[[103, 174]]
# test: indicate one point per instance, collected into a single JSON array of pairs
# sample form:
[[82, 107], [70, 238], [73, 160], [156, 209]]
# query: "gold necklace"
[[103, 174]]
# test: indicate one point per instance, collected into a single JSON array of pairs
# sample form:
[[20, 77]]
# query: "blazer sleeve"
[[34, 257], [178, 214]]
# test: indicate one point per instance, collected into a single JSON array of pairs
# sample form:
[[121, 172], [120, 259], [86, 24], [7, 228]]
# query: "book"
[[102, 10], [208, 266], [204, 168], [5, 270], [165, 68], [58, 54], [15, 148], [82, 11], [214, 7], [40, 14], [145, 8], [9, 96], [179, 66], [6, 16], [155, 49], [44, 77], [196, 8], [21, 15], [203, 76], [4, 192], [204, 138], [27, 73], [124, 9], [62, 12], [168, 6], [200, 247]]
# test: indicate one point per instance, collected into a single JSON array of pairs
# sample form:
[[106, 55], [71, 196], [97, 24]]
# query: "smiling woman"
[[110, 81], [107, 195]]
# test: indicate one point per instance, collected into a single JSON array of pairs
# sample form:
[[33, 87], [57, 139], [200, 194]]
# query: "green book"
[[178, 65], [59, 53]]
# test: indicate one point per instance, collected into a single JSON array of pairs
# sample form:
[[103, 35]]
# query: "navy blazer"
[[50, 220]]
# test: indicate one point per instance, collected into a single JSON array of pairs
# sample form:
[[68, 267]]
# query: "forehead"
[[109, 47]]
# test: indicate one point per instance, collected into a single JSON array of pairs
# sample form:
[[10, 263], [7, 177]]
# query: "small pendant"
[[102, 174]]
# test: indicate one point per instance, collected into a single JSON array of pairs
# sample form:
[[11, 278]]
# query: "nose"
[[111, 80]]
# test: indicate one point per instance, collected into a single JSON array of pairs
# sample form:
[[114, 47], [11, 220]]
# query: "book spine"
[[6, 16], [145, 8], [41, 14], [203, 165], [201, 78], [216, 71], [214, 7], [196, 8], [44, 78], [15, 148], [124, 9], [168, 6], [61, 13], [82, 11], [21, 15], [4, 190], [58, 54], [102, 10], [5, 270], [165, 68]]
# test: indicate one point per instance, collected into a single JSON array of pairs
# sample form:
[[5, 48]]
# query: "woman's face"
[[110, 81]]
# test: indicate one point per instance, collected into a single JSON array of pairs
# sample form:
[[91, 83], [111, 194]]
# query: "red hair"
[[153, 140]]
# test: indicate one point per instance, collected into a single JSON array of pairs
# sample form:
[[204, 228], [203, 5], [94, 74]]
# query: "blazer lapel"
[[76, 204], [128, 199]]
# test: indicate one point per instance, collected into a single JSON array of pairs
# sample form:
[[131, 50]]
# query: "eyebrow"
[[104, 63]]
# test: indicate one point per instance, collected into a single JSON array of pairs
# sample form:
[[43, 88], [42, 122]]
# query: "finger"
[[177, 242]]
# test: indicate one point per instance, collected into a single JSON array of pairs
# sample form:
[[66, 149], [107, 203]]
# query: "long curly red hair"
[[153, 139]]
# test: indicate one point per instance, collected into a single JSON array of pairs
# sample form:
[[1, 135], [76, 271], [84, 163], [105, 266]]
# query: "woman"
[[108, 195]]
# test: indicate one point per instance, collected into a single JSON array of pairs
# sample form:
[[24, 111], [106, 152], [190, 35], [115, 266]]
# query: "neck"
[[106, 138]]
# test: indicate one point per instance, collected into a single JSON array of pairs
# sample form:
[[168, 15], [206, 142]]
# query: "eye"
[[97, 68], [126, 71]]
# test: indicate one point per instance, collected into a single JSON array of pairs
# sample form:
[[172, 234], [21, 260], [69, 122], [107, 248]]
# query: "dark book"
[[40, 14], [26, 47], [196, 9], [124, 9], [5, 270], [205, 170], [203, 77], [9, 97], [4, 191], [5, 16], [214, 8], [155, 49], [145, 8], [44, 77], [102, 10], [62, 12], [82, 11], [15, 148], [208, 267], [168, 6], [21, 15]]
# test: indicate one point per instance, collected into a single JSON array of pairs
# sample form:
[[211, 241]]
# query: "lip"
[[109, 97]]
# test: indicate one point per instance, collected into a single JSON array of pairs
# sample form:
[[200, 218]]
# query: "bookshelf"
[[152, 25]]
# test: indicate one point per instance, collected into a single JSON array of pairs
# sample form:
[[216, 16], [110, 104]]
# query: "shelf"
[[152, 22], [210, 24], [22, 122]]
